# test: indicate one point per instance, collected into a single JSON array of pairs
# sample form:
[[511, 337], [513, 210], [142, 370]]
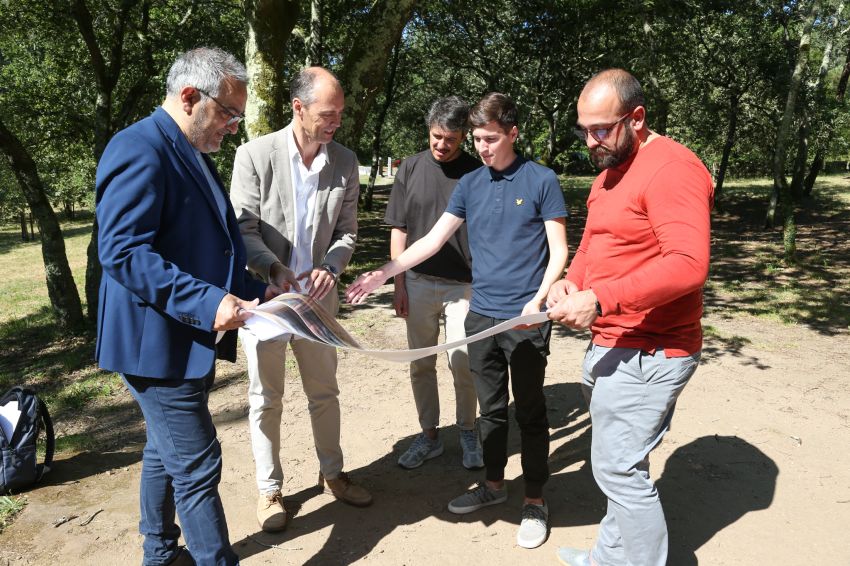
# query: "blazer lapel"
[[322, 192], [282, 180], [184, 151]]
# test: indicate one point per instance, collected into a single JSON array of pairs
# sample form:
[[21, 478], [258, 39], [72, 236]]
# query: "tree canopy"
[[754, 87]]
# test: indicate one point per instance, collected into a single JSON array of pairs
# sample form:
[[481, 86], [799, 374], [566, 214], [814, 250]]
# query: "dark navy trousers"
[[181, 470]]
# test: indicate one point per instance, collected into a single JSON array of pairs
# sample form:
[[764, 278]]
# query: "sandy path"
[[756, 469]]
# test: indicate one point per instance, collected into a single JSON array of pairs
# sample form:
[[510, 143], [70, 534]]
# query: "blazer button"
[[228, 253]]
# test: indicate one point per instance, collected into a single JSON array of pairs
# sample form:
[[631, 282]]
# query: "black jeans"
[[524, 352]]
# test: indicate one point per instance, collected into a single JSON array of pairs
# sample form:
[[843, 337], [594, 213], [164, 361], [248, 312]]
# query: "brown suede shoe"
[[270, 512], [343, 489]]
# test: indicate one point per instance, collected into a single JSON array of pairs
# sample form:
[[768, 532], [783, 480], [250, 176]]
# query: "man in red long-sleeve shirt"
[[636, 281]]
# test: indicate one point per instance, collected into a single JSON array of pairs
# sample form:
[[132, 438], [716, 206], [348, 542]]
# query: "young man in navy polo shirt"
[[516, 222]]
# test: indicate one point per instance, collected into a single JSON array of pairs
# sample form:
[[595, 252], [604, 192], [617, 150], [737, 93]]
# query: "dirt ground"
[[756, 469]]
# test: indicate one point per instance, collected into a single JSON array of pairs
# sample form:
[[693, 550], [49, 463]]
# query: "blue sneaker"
[[470, 444], [422, 448]]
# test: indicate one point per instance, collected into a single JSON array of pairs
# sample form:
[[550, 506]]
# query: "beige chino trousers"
[[432, 301], [317, 364]]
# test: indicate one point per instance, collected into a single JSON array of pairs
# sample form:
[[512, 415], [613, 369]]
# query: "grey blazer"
[[261, 193]]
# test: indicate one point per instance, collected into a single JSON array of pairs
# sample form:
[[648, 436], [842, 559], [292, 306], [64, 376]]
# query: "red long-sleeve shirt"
[[645, 250]]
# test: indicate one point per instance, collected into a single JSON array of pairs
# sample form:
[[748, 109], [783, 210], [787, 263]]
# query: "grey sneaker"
[[422, 448], [573, 557], [532, 530], [471, 446], [476, 498]]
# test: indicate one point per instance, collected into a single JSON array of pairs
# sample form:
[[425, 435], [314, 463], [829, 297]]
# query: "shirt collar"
[[318, 162], [510, 172]]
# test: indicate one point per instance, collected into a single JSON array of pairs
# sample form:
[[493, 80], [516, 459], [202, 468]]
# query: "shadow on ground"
[[706, 485]]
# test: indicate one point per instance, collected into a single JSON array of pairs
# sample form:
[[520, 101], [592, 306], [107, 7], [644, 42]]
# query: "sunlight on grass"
[[84, 391], [9, 507], [23, 288]]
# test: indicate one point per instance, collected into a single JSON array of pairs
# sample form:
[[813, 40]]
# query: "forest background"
[[756, 88]]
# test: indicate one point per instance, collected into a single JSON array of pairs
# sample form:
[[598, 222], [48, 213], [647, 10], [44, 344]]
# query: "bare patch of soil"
[[755, 469]]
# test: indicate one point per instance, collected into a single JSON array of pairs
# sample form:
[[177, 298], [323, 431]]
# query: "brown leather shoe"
[[270, 512], [346, 491]]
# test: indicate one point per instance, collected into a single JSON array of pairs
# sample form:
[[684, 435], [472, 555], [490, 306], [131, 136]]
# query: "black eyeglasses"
[[234, 117], [599, 133]]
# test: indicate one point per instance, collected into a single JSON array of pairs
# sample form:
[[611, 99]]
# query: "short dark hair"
[[623, 83], [303, 85], [495, 106], [449, 113]]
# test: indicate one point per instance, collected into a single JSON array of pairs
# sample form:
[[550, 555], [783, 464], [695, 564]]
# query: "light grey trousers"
[[432, 300], [631, 395]]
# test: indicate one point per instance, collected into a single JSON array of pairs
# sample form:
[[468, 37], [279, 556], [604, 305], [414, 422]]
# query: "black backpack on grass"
[[18, 466]]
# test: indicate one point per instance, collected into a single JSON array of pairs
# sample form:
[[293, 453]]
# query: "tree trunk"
[[60, 282], [270, 23], [731, 129], [781, 197], [817, 163], [800, 161], [814, 171], [389, 94], [781, 191], [107, 72], [314, 41], [362, 75], [22, 217]]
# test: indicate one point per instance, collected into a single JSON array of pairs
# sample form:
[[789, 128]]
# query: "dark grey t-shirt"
[[419, 197]]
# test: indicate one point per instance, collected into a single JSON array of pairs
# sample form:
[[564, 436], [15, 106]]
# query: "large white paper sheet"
[[292, 313], [9, 416]]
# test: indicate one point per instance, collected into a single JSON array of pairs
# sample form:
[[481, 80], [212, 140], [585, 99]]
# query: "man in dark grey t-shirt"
[[438, 288]]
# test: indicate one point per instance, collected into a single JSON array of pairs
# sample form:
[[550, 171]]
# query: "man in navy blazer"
[[174, 280]]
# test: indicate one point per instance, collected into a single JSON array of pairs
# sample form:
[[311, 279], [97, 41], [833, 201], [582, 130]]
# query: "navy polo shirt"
[[504, 213]]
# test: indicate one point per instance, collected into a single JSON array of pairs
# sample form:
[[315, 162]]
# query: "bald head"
[[617, 86], [306, 83]]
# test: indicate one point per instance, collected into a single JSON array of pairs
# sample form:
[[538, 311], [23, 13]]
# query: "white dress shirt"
[[305, 182]]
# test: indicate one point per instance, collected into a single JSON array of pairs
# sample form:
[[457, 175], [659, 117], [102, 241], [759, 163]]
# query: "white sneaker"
[[422, 448], [533, 528], [473, 458]]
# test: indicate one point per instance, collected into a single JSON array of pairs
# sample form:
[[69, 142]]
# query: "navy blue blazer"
[[168, 256]]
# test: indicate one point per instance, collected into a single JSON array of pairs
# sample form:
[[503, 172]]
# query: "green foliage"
[[9, 507]]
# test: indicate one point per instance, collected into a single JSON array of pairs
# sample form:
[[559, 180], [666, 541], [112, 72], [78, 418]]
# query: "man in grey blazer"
[[295, 195]]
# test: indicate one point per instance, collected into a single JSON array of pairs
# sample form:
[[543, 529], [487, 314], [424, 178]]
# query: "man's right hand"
[[400, 301], [364, 285], [232, 312], [283, 278]]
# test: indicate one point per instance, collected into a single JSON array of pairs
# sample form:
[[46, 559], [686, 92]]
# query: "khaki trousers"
[[317, 364], [432, 301]]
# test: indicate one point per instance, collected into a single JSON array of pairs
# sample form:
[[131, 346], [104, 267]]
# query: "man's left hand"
[[531, 307], [321, 282]]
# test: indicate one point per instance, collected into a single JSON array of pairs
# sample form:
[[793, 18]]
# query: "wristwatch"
[[330, 269], [598, 309]]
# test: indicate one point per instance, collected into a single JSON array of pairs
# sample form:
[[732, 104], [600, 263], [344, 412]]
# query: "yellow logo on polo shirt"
[[519, 202]]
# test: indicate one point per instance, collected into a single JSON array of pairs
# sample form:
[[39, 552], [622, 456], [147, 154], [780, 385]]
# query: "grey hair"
[[204, 68], [449, 113], [303, 85]]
